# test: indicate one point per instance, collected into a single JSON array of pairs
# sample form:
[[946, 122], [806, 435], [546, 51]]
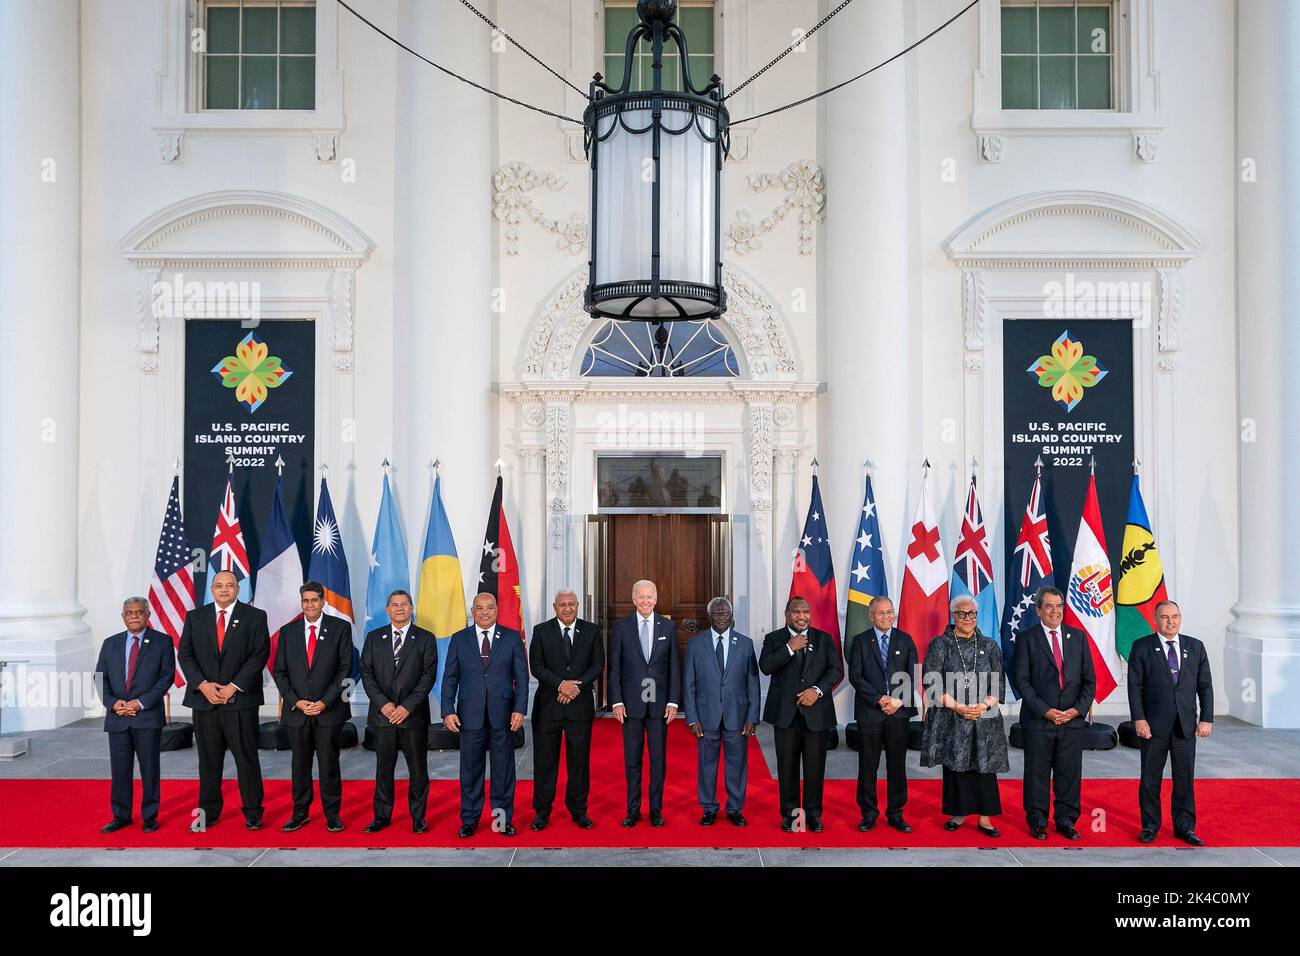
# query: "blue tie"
[[884, 653], [1173, 661]]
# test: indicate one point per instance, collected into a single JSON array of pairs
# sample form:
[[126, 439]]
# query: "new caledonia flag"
[[1141, 577], [498, 571], [814, 573]]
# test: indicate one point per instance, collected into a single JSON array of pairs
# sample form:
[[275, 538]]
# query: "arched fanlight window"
[[686, 348]]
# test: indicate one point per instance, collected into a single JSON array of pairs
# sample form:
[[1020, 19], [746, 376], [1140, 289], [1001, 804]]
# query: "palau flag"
[[867, 569], [814, 572], [389, 570], [972, 566], [440, 601], [280, 575], [1141, 577], [329, 564]]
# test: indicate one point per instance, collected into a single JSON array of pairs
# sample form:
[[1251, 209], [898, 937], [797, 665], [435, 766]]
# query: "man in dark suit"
[[1168, 673], [645, 685], [223, 651], [312, 667], [399, 663], [1057, 681], [567, 656], [135, 671], [485, 699], [882, 670], [804, 664], [721, 703]]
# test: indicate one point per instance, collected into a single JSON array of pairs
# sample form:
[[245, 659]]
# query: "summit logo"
[[75, 909]]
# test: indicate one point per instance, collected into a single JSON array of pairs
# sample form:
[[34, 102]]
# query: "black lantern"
[[656, 187]]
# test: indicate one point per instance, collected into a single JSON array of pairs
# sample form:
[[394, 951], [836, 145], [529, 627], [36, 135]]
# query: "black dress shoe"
[[539, 823], [1147, 836], [737, 819], [866, 824], [899, 824], [1190, 838], [951, 825], [374, 826], [252, 823], [150, 825], [1068, 831], [710, 817], [334, 824], [114, 825], [787, 826], [988, 831], [508, 830], [656, 818], [419, 826], [583, 822], [1038, 833], [466, 830], [297, 823], [815, 824], [631, 819]]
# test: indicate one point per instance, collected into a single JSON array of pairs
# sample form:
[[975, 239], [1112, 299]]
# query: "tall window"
[[696, 21], [1057, 56], [678, 349], [260, 55]]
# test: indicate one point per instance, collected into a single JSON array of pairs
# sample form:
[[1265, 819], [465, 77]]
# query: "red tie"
[[135, 659], [221, 628], [311, 644], [1060, 664]]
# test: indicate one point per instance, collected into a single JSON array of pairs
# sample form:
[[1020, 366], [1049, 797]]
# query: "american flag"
[[171, 592]]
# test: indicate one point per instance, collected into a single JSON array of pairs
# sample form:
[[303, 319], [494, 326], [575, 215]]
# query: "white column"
[[1262, 648], [869, 341], [443, 367], [40, 616]]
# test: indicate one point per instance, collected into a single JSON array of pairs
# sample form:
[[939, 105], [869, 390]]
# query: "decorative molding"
[[762, 431], [511, 203], [557, 454], [1145, 146], [787, 460], [974, 310], [532, 459], [1170, 310], [169, 144], [534, 415], [805, 187], [150, 328], [990, 148], [326, 145], [650, 392], [341, 315]]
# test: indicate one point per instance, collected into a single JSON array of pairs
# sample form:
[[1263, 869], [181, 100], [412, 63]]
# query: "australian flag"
[[814, 573], [1030, 569]]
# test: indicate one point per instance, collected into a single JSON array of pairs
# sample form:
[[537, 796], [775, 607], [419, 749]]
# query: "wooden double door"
[[686, 555]]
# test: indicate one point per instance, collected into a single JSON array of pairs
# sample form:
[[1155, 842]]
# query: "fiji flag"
[[814, 572], [867, 570], [972, 566], [1030, 569], [329, 564], [440, 601], [389, 571]]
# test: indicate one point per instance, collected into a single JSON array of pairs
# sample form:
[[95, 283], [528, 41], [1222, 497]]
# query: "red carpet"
[[69, 813]]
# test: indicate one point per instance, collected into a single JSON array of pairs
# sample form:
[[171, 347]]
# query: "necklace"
[[968, 675]]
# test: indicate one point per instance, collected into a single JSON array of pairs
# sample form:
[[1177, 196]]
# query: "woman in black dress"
[[963, 732]]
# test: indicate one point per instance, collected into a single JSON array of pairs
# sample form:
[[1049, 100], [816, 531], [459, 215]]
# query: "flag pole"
[[499, 465], [866, 466], [815, 465], [279, 466], [925, 469], [1038, 467], [974, 463], [1136, 465], [387, 467], [1092, 465]]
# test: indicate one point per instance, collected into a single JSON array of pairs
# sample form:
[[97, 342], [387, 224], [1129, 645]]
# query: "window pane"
[[1057, 91], [1094, 83], [614, 70], [222, 85], [298, 83], [259, 83], [619, 22], [223, 29], [1094, 30], [672, 74], [697, 24], [298, 30], [1019, 83], [1055, 30], [1018, 31], [259, 29], [701, 70]]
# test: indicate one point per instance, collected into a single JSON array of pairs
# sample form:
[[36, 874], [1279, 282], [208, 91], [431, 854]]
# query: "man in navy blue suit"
[[136, 669], [722, 709], [485, 698], [645, 685]]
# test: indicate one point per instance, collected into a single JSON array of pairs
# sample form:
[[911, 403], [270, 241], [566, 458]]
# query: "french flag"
[[280, 575]]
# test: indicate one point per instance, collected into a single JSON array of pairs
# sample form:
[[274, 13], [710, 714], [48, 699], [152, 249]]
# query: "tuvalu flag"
[[498, 571], [866, 569], [440, 600], [1089, 601], [1141, 577]]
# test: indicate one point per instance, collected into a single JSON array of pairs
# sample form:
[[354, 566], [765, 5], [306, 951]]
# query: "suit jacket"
[[1040, 685], [1154, 697], [485, 698], [817, 665], [405, 682], [629, 670], [552, 661], [715, 699], [331, 666], [155, 670], [870, 680], [244, 652]]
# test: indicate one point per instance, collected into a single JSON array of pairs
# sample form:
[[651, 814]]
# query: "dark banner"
[[1067, 398], [250, 394]]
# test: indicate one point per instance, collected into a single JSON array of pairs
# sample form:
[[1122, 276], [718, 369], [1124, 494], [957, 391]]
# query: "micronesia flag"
[[228, 552], [972, 566], [814, 571], [280, 575], [328, 567], [389, 570], [1030, 569]]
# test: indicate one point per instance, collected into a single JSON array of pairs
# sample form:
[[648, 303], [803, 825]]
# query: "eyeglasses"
[[966, 614]]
